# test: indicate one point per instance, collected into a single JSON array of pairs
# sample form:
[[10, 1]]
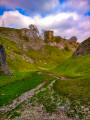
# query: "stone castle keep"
[[48, 35]]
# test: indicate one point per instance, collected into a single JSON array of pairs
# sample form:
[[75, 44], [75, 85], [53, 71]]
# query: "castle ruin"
[[48, 36]]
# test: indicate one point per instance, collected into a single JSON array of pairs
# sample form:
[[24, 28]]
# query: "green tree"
[[34, 29]]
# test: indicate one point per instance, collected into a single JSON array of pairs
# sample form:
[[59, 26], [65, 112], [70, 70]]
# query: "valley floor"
[[29, 112], [43, 103]]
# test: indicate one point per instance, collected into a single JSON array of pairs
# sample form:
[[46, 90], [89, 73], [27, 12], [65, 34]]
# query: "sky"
[[66, 18]]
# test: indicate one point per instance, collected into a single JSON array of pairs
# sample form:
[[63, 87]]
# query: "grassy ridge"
[[75, 67], [77, 86]]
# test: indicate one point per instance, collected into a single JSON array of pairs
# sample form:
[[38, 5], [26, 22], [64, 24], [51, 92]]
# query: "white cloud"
[[63, 24], [77, 5], [34, 6]]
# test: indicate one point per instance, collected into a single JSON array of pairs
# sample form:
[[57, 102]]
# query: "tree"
[[42, 34], [34, 29], [3, 24]]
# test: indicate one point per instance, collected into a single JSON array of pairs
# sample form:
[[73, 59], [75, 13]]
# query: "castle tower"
[[48, 36]]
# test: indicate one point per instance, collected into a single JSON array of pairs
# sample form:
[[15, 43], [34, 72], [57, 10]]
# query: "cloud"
[[63, 24], [34, 6], [77, 5]]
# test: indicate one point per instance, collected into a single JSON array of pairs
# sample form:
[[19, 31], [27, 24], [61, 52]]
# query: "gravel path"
[[20, 99], [39, 113], [23, 97]]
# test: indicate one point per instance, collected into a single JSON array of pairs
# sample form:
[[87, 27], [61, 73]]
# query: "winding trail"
[[38, 112], [20, 99], [24, 97]]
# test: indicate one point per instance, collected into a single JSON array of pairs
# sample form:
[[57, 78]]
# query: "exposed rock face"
[[24, 38], [73, 38], [2, 55], [64, 43], [3, 67], [83, 48], [27, 32]]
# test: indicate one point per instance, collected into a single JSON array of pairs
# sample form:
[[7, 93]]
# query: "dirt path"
[[64, 78], [38, 112], [43, 68], [23, 97], [20, 99]]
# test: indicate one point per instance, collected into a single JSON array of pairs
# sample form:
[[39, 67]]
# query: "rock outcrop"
[[3, 66], [24, 38], [62, 43], [83, 48], [73, 38]]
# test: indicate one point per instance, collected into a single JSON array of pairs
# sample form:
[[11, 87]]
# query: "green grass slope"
[[17, 65], [77, 86], [47, 57], [13, 89]]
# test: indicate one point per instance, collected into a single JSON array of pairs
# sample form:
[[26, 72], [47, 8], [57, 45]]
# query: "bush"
[[67, 48], [25, 38]]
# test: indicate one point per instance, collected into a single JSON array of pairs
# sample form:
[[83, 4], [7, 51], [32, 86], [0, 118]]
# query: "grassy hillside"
[[24, 63], [13, 89], [32, 67], [77, 78], [75, 67], [47, 56], [17, 59]]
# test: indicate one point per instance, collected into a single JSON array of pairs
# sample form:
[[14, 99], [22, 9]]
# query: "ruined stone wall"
[[48, 36]]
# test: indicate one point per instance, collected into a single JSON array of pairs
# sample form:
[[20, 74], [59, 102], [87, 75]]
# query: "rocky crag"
[[3, 66], [83, 48], [25, 39]]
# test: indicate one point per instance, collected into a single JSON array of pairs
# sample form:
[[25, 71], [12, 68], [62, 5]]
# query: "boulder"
[[2, 55], [3, 66]]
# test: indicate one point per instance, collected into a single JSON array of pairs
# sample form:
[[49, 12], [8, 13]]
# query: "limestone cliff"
[[83, 48], [23, 37]]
